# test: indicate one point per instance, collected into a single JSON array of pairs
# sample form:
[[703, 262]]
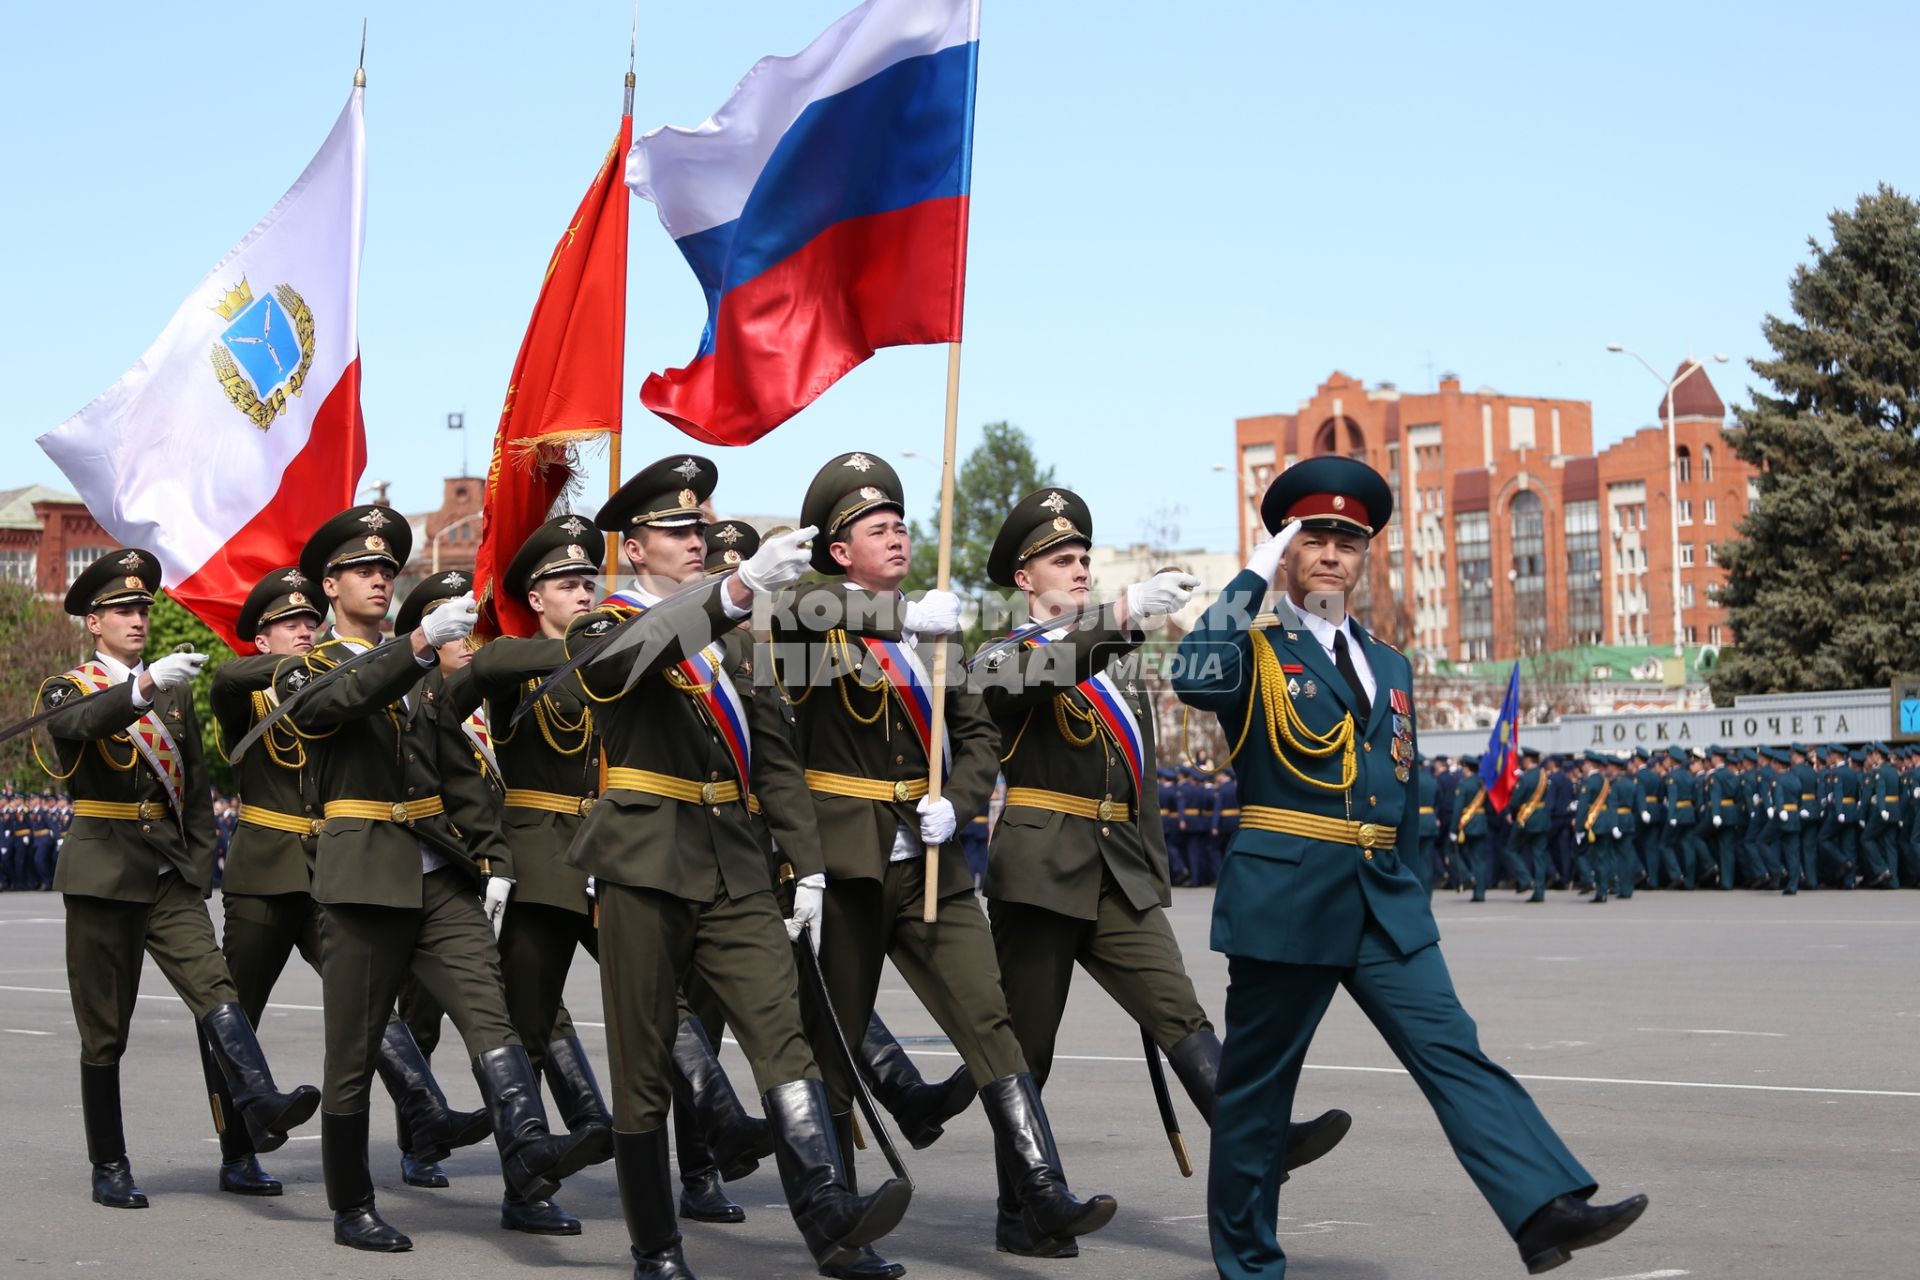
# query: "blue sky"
[[1182, 213]]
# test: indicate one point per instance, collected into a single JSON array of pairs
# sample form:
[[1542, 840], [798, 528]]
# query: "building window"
[[1686, 554], [17, 566], [1683, 464], [1709, 513], [1527, 534], [1710, 557], [1341, 435], [1713, 634], [1706, 463], [1472, 536], [1520, 426], [1686, 511], [1691, 638], [1686, 597], [80, 559], [1584, 593]]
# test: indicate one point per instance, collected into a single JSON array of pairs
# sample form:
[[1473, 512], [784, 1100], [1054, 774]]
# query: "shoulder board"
[[1265, 621]]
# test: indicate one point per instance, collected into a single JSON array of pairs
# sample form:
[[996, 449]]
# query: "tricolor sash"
[[914, 690], [475, 727], [707, 684], [1115, 716], [148, 735]]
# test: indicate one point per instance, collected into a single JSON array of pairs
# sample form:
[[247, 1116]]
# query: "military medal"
[[1293, 688], [1311, 689], [1401, 772]]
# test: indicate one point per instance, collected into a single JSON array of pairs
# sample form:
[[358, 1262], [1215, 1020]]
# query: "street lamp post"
[[1693, 366]]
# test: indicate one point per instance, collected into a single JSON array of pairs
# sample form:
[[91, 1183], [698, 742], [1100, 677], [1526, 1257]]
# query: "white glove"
[[1616, 833], [1164, 593], [1885, 816], [1841, 816], [494, 901], [1769, 813], [935, 614], [1265, 560], [780, 560], [1673, 822], [937, 823], [1716, 819], [1646, 815], [451, 621], [808, 893], [593, 892], [176, 669]]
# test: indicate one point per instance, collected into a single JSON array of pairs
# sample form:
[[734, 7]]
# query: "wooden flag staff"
[[612, 577], [936, 745]]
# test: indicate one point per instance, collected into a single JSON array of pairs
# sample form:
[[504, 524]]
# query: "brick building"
[[1510, 535], [449, 537], [47, 538]]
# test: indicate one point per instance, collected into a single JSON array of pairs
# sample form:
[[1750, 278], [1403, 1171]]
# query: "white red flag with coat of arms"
[[239, 431]]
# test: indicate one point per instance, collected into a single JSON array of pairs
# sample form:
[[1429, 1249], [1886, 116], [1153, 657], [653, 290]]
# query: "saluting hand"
[[452, 621], [1266, 557], [1165, 592], [779, 562], [176, 669]]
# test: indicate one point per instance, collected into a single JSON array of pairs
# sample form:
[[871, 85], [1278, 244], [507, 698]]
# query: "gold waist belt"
[[1426, 808], [1076, 806], [402, 811], [1229, 813], [682, 789], [1312, 826], [1789, 806], [1683, 804], [145, 811], [845, 784], [254, 816], [550, 801]]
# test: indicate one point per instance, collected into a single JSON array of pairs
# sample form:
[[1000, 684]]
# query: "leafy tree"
[[1821, 587], [171, 627], [38, 640], [1001, 470]]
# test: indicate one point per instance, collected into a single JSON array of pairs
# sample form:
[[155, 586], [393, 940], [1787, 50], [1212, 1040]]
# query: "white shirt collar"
[[1324, 631], [115, 668]]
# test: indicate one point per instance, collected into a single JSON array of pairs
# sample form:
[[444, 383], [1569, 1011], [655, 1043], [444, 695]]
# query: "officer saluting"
[[1318, 890], [1077, 871], [138, 866]]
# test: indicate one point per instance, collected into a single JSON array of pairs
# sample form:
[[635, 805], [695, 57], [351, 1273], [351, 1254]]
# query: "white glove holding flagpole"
[[1165, 592], [779, 562], [1266, 557], [937, 821], [937, 613]]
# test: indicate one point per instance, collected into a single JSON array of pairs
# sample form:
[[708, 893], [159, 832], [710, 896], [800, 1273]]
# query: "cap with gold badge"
[[668, 494], [284, 593], [127, 575], [847, 488], [1330, 492], [431, 592], [1039, 522], [729, 544], [358, 535], [563, 545]]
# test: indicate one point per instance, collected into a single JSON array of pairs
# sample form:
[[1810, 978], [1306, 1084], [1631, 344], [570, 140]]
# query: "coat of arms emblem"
[[265, 352]]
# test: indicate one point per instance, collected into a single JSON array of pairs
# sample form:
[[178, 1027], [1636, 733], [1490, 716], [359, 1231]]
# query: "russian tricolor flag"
[[823, 209]]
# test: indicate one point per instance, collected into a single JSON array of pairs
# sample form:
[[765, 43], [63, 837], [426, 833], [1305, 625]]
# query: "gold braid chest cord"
[[1287, 733]]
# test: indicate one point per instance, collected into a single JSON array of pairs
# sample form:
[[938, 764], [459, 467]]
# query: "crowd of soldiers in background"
[[34, 827], [1772, 818]]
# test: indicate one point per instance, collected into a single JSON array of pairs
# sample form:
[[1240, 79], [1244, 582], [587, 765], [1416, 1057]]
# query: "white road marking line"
[[152, 995], [37, 920], [22, 1031], [1669, 1274], [1557, 921], [1714, 1031]]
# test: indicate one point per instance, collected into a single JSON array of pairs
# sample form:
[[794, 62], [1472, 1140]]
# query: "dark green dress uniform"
[[1317, 893], [135, 875], [1531, 820], [1683, 795], [1594, 863], [683, 886], [399, 886], [860, 734], [1880, 820], [1722, 816], [266, 897]]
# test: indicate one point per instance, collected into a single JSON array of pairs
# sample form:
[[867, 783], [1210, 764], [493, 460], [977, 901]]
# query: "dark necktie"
[[1343, 659]]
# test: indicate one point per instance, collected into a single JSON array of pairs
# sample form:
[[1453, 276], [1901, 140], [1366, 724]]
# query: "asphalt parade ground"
[[1750, 1062]]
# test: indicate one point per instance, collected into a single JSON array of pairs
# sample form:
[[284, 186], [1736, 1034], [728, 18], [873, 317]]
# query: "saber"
[[39, 718], [624, 635], [1020, 634], [1168, 1121], [287, 703], [816, 985]]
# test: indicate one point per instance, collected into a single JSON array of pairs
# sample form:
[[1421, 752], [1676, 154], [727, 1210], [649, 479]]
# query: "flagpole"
[[613, 447], [930, 904]]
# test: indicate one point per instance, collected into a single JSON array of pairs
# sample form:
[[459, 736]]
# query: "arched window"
[[1527, 536], [1683, 463], [1706, 463], [1340, 435]]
